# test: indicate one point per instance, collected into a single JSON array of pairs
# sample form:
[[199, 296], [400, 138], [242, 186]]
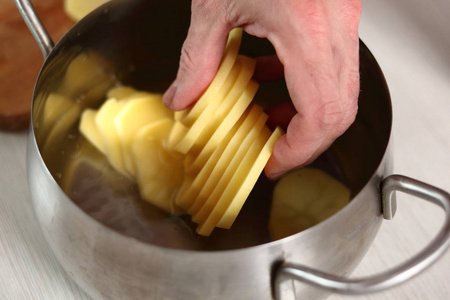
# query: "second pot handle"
[[36, 27], [387, 279]]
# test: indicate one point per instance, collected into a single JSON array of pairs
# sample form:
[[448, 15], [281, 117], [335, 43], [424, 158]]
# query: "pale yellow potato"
[[189, 115], [245, 181], [61, 127], [179, 130], [89, 129], [137, 113], [240, 184], [87, 79], [304, 198], [195, 182], [55, 106], [108, 132], [207, 120], [222, 130], [160, 196], [148, 152], [213, 213], [228, 161], [78, 9], [159, 172], [120, 92]]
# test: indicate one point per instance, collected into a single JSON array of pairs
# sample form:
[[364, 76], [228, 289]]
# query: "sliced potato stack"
[[225, 142], [130, 128], [210, 155]]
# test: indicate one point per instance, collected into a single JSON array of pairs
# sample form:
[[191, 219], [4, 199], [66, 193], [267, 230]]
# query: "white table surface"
[[411, 41]]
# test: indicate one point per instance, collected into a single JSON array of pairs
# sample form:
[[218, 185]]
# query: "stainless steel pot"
[[138, 43]]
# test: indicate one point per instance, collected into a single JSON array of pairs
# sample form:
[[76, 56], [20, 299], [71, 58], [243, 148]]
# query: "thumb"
[[200, 55]]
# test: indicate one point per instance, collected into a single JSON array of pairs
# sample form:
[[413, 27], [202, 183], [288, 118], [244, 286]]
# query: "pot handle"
[[387, 279], [36, 27]]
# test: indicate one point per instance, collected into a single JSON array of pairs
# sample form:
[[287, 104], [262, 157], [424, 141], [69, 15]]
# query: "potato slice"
[[137, 113], [179, 130], [303, 198], [89, 129], [110, 138], [188, 116], [158, 171], [88, 78], [160, 196], [243, 182], [222, 154], [228, 122], [223, 168], [196, 135], [121, 92], [240, 185], [55, 106], [192, 184], [61, 127], [148, 152]]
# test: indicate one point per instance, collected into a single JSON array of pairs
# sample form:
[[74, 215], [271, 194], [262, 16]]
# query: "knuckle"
[[187, 59], [353, 85], [329, 115], [207, 8], [351, 111], [352, 10]]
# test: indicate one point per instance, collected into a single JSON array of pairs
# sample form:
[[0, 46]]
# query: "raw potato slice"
[[60, 129], [121, 92], [156, 168], [160, 197], [110, 138], [239, 179], [217, 202], [228, 162], [228, 122], [55, 106], [229, 57], [191, 192], [206, 119], [246, 183], [132, 117], [193, 184], [304, 198], [88, 78], [89, 129], [176, 134], [146, 150]]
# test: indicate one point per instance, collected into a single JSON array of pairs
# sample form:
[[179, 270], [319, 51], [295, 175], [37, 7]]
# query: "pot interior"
[[138, 44]]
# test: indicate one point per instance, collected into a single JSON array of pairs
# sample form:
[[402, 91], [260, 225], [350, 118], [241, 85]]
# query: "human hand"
[[317, 48]]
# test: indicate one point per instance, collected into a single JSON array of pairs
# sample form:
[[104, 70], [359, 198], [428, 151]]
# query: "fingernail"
[[169, 95]]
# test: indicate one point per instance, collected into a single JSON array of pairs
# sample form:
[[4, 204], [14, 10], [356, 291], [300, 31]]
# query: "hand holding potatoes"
[[204, 160], [317, 50]]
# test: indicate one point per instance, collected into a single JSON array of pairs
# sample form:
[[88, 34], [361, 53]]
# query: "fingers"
[[317, 51], [200, 55]]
